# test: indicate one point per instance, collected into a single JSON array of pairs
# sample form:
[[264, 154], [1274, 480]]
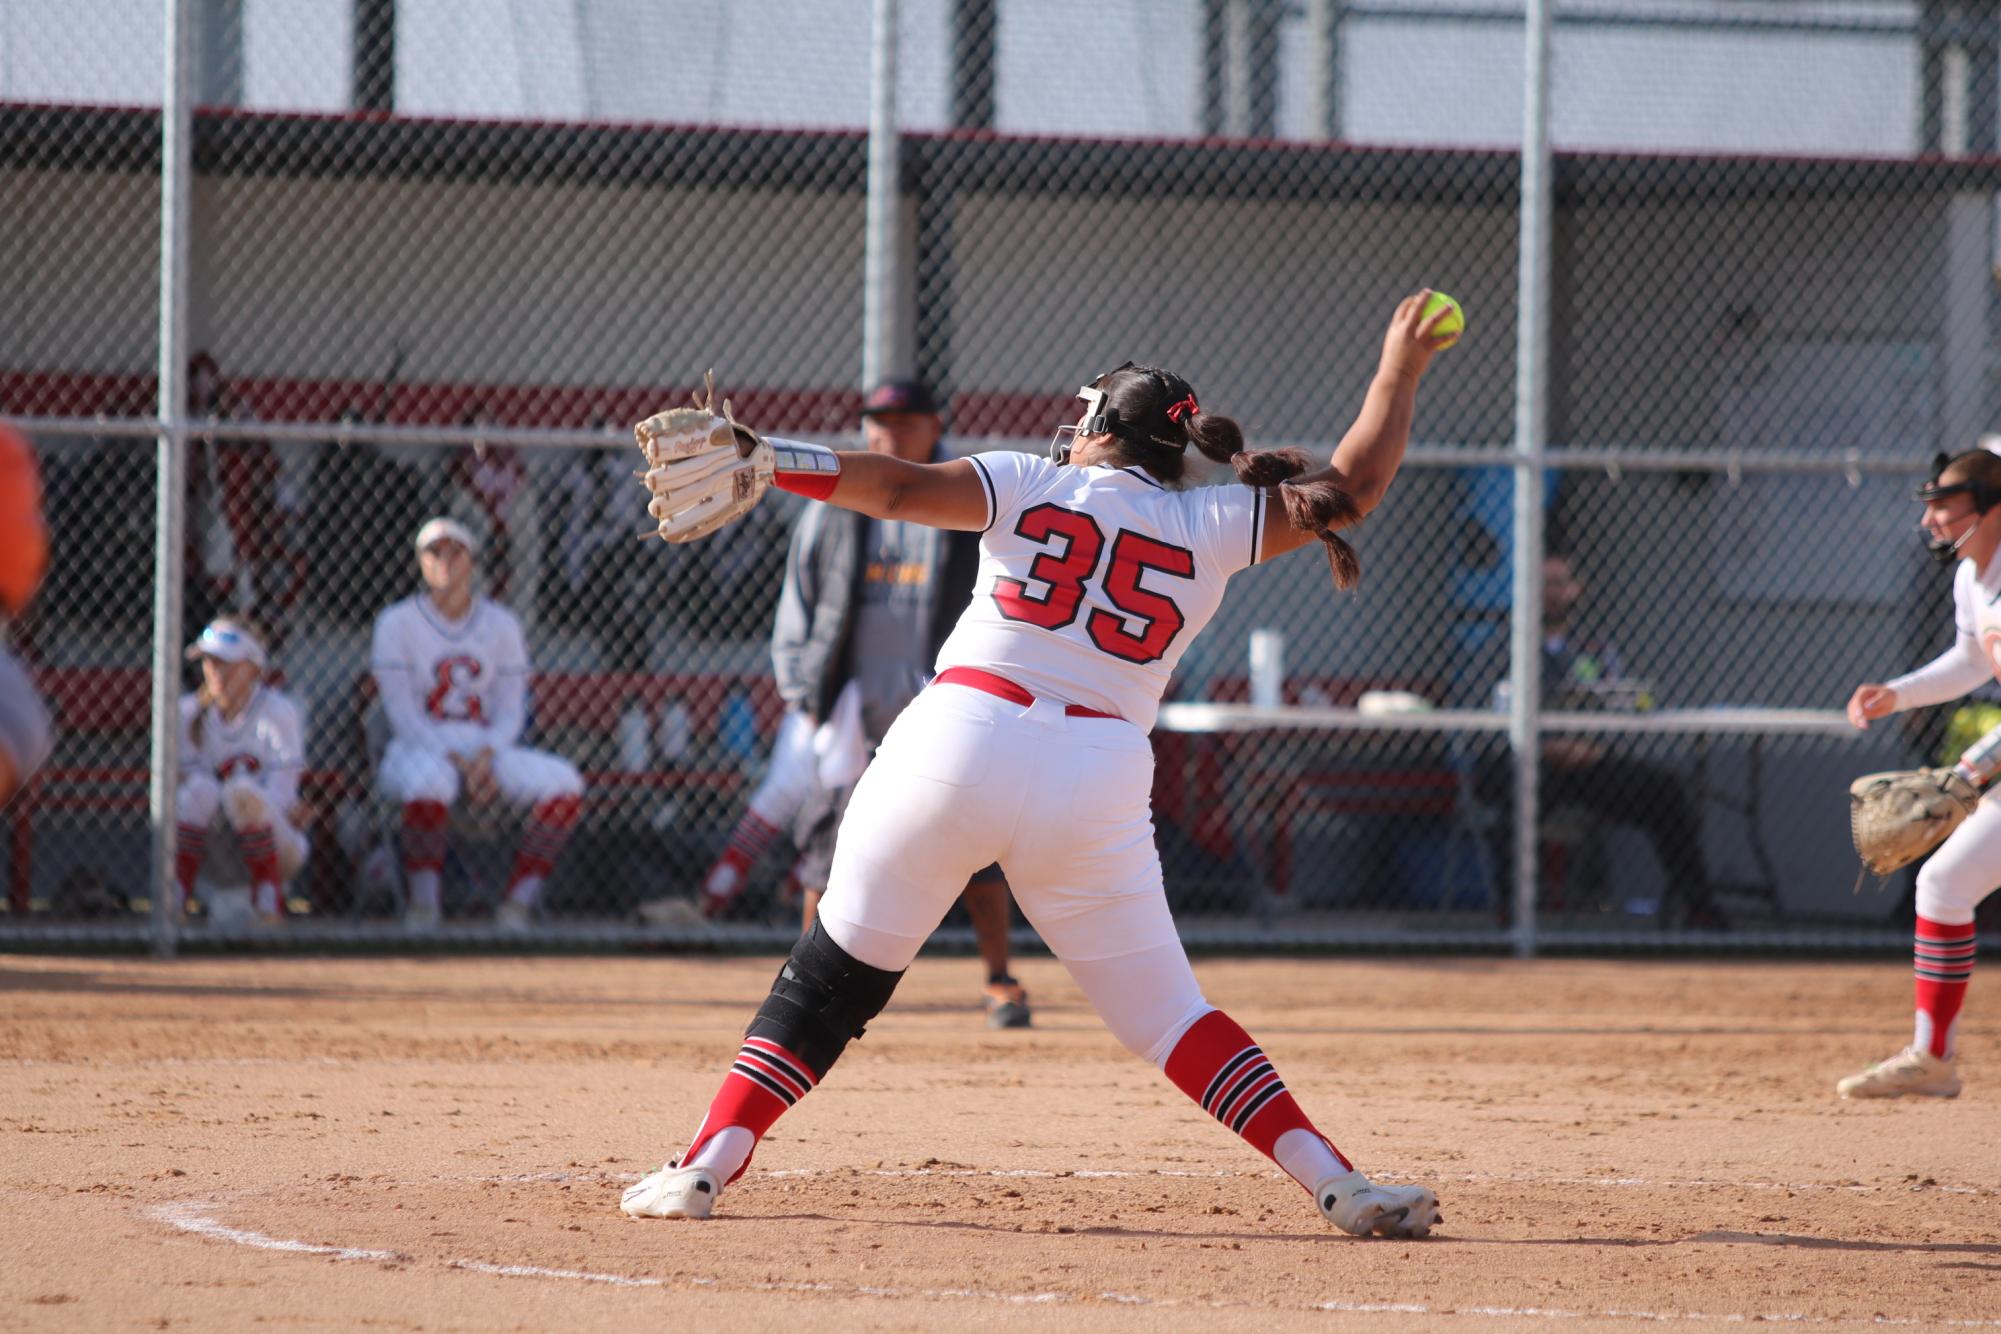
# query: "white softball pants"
[[413, 772], [965, 779], [1965, 869], [239, 803]]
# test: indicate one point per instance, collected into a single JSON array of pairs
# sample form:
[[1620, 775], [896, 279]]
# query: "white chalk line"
[[192, 1216]]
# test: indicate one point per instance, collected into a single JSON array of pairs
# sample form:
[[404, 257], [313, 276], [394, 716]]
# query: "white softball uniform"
[[1092, 583], [1967, 866], [243, 773], [456, 688]]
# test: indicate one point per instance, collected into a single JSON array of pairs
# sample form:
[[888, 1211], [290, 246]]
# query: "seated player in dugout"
[[236, 808], [452, 670], [866, 605], [1584, 673], [1029, 748]]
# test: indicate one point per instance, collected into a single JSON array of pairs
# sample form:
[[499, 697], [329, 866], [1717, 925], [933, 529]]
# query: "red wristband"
[[806, 470]]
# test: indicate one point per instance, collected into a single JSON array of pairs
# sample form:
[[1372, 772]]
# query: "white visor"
[[439, 529], [227, 643]]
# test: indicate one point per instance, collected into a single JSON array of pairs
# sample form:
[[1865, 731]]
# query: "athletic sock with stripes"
[[1943, 957], [762, 1083], [750, 840], [549, 827], [1218, 1065]]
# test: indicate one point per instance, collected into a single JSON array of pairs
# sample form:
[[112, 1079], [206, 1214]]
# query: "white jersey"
[[449, 684], [267, 742], [1093, 581], [1975, 656]]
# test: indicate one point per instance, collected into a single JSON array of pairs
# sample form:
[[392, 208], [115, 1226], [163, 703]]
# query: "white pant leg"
[[527, 777], [416, 773], [1147, 999], [1965, 869], [197, 800], [1086, 872], [788, 779], [1083, 864], [937, 804]]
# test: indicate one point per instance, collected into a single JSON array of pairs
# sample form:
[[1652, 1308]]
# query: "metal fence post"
[[1531, 427], [884, 349], [176, 192]]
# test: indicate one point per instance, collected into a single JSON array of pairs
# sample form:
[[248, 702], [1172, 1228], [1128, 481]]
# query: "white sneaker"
[[673, 1192], [1359, 1207], [1909, 1071], [675, 911], [516, 919], [421, 919]]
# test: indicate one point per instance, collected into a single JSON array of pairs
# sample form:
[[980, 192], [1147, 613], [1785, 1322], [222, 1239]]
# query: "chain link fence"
[[442, 253]]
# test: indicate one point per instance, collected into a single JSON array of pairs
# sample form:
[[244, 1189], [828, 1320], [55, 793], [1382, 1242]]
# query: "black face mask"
[[1945, 553]]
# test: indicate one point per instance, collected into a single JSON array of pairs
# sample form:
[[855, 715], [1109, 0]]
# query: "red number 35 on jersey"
[[1066, 571]]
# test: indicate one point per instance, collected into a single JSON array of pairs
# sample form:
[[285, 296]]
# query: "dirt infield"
[[417, 1144]]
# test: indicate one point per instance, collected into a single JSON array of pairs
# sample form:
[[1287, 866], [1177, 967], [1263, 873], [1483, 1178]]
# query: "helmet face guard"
[[1101, 418], [1984, 499]]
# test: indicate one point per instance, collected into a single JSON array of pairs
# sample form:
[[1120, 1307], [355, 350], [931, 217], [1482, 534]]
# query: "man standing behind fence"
[[452, 669]]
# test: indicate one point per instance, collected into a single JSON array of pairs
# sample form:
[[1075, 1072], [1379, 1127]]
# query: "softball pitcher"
[[1098, 567], [1962, 522]]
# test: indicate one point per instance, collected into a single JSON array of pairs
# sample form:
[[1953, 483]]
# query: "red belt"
[[976, 679]]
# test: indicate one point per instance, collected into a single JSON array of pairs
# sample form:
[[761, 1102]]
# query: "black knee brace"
[[821, 1000]]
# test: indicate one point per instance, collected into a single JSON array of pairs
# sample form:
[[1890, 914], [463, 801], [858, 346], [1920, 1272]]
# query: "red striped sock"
[[1943, 958], [260, 853], [549, 826], [751, 838], [1218, 1065], [424, 835], [190, 845], [764, 1081]]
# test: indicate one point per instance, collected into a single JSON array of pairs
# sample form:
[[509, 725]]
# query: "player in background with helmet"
[[452, 670], [242, 746], [865, 607], [1030, 746], [24, 558], [1962, 524]]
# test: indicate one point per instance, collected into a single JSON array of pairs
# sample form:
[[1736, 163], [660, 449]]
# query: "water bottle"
[[737, 732], [1267, 669], [676, 735], [632, 755]]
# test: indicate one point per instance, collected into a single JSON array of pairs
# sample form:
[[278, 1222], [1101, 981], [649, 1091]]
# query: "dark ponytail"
[[1158, 415]]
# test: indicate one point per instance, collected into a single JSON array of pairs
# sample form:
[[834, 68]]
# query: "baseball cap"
[[899, 396], [440, 528], [227, 642]]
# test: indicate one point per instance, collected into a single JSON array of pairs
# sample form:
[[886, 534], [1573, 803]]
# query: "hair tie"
[[1176, 411]]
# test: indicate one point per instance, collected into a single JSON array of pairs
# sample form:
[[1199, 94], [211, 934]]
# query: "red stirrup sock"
[[765, 1080], [190, 845], [1218, 1065], [424, 835], [1943, 956], [259, 846], [549, 827]]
